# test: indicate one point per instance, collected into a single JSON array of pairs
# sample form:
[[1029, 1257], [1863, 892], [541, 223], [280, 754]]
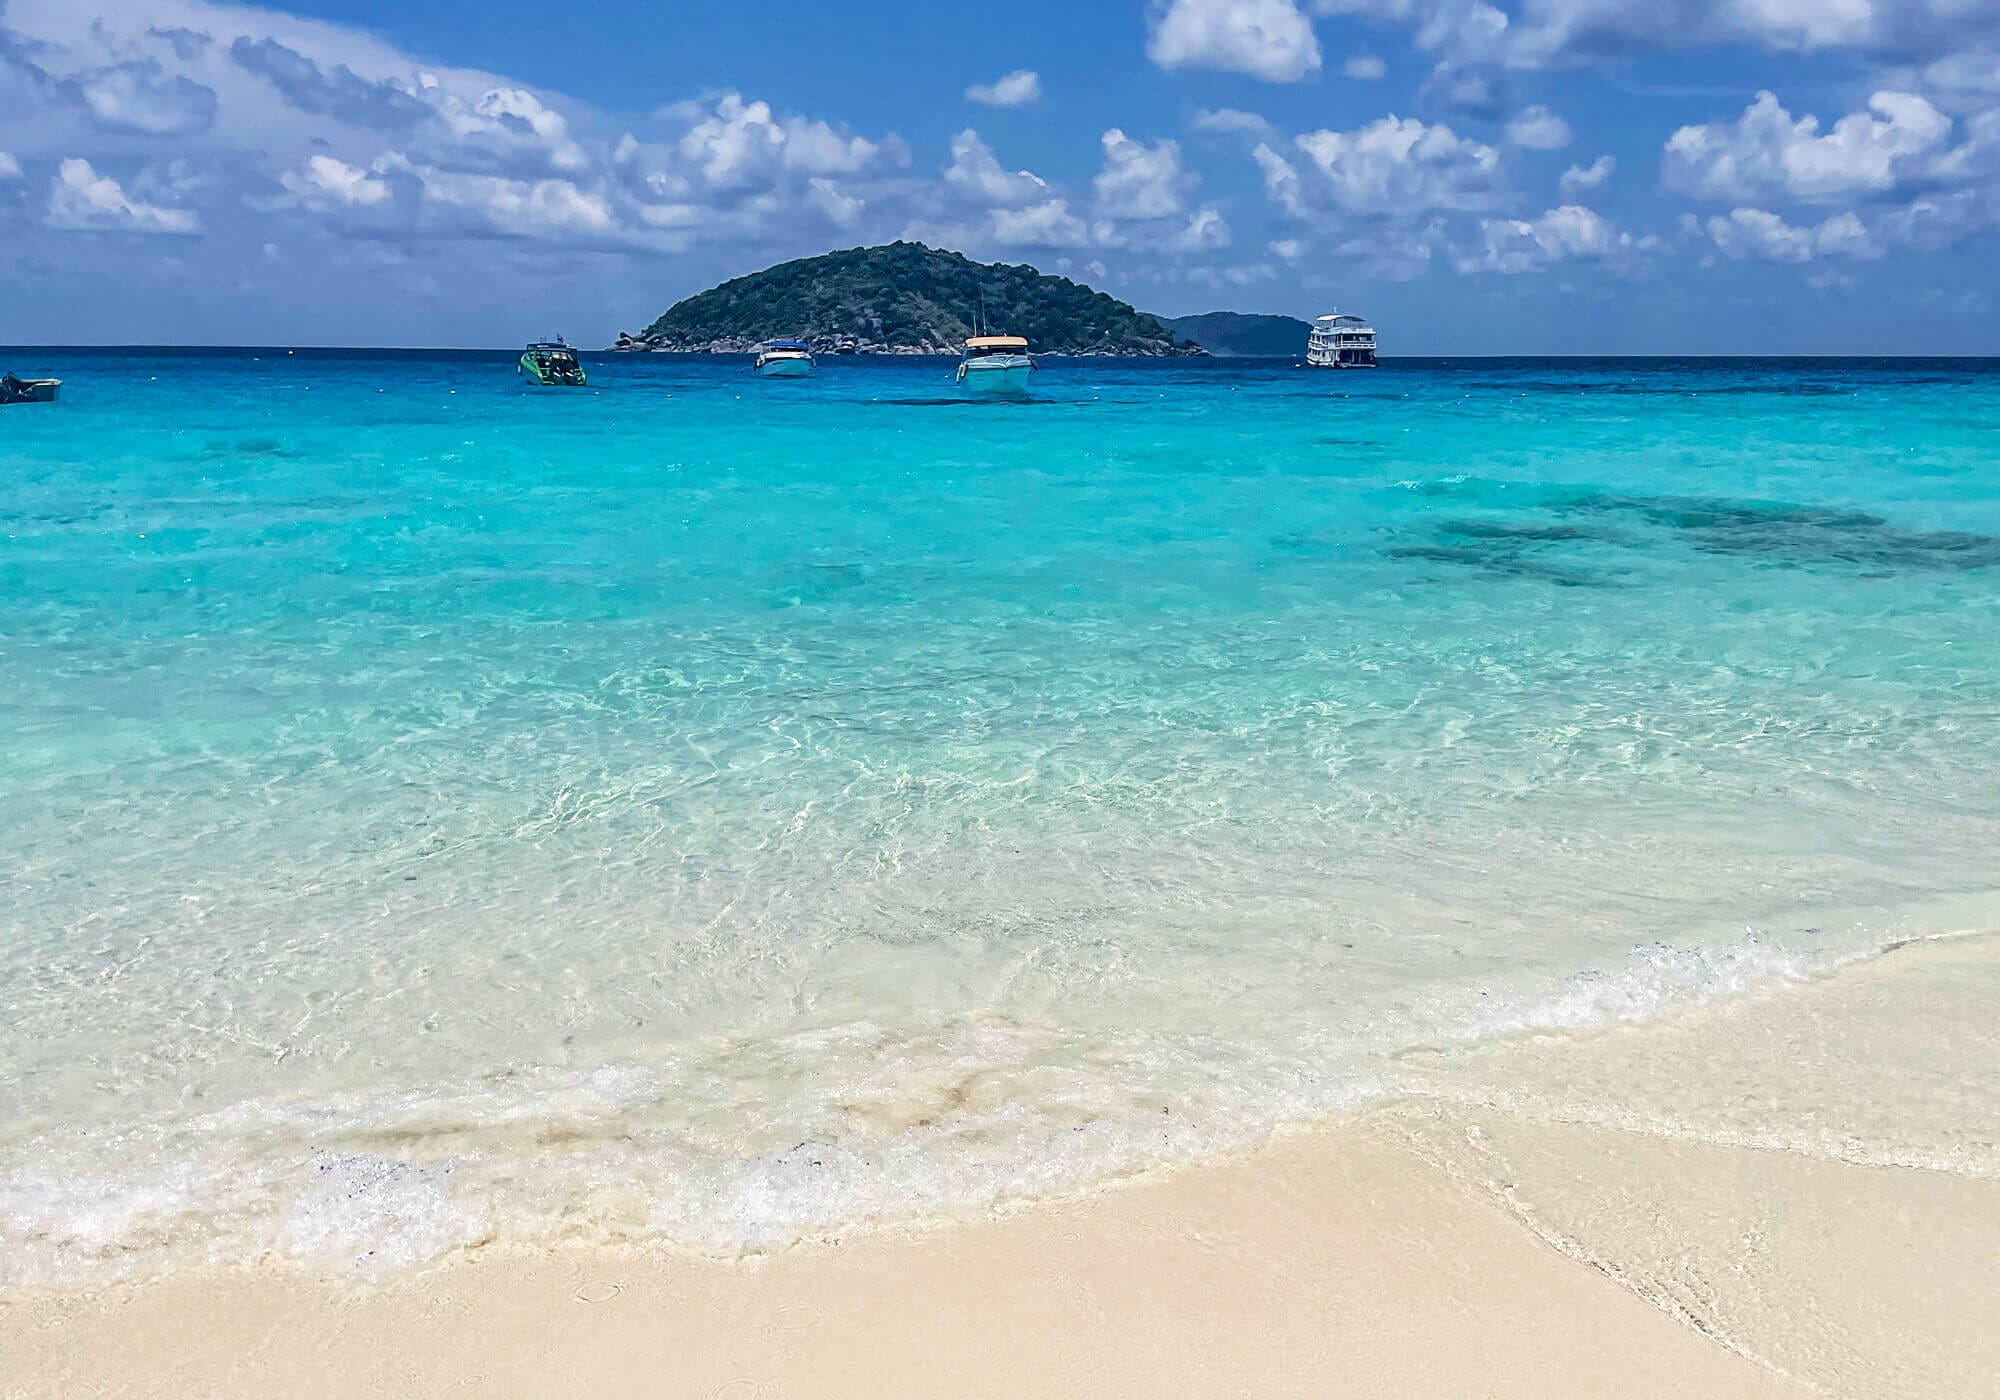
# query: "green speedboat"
[[552, 364]]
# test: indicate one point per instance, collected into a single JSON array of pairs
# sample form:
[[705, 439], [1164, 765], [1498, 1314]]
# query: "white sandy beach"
[[1786, 1194]]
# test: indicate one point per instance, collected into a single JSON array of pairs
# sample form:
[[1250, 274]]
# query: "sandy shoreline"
[[1695, 1207]]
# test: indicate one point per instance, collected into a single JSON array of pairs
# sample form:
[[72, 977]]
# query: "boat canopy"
[[786, 345], [996, 342]]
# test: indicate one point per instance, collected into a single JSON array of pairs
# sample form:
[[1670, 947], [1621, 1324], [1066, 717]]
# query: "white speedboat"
[[784, 359], [1341, 342], [996, 364]]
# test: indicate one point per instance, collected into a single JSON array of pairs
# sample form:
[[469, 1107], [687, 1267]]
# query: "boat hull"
[[786, 369], [35, 391], [1003, 376], [537, 379]]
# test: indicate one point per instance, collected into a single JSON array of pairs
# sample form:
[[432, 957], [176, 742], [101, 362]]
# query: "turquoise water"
[[711, 809]]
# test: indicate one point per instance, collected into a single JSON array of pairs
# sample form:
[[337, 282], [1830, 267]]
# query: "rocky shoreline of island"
[[831, 345]]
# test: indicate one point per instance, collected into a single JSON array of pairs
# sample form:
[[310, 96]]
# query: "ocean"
[[716, 811]]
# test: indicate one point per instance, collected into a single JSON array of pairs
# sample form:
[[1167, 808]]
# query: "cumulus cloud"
[[841, 209], [1765, 237], [1556, 33], [1290, 249], [80, 198], [10, 168], [1538, 129], [499, 204], [1974, 74], [737, 168], [1365, 68], [1140, 181], [1046, 225], [1268, 39], [1229, 121], [1204, 232], [976, 173], [141, 97], [1570, 233], [1767, 151], [1474, 91], [739, 144], [1579, 178], [1017, 89], [337, 92], [1394, 166], [325, 178]]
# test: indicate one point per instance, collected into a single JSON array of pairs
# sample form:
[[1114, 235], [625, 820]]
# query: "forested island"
[[905, 299]]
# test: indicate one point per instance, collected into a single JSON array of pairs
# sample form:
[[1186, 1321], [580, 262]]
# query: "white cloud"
[[1844, 235], [1469, 88], [1017, 89], [1206, 231], [1570, 233], [1139, 181], [1579, 178], [842, 210], [335, 180], [512, 122], [740, 145], [10, 168], [1766, 151], [975, 173], [1365, 68], [1765, 237], [1268, 39], [1290, 249], [80, 198], [1227, 120], [1394, 166], [1538, 129], [525, 208], [1975, 74], [1558, 33], [738, 168], [141, 97], [1754, 233], [1045, 225]]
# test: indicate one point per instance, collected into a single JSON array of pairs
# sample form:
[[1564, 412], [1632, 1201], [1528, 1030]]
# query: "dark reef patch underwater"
[[1766, 534]]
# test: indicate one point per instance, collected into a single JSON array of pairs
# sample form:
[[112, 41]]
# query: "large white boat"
[[784, 359], [996, 364], [1341, 342]]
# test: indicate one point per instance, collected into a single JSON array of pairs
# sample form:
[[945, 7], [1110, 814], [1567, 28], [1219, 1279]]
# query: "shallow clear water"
[[713, 808]]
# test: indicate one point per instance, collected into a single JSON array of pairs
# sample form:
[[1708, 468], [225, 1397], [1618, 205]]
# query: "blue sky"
[[1478, 176]]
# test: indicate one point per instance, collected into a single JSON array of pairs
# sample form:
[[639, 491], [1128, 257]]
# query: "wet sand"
[[1787, 1194]]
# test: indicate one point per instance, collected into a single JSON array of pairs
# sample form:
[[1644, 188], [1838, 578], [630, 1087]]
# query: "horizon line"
[[862, 355]]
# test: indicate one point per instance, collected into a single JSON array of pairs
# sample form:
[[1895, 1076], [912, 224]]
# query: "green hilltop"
[[905, 298]]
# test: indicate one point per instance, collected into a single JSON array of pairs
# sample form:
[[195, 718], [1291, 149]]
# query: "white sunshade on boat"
[[996, 342]]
